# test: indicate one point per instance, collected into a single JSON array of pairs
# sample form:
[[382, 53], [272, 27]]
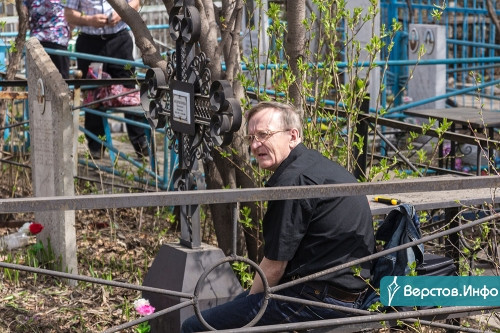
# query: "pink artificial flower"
[[143, 307], [145, 310]]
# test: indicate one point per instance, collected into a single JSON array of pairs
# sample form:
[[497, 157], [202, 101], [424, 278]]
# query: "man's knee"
[[192, 324]]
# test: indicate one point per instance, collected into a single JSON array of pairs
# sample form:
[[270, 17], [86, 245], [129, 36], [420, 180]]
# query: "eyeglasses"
[[261, 137]]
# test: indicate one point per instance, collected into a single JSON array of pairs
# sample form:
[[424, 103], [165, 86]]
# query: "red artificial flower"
[[35, 228]]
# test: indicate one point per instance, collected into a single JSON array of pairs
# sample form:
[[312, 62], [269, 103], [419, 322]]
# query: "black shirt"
[[318, 233]]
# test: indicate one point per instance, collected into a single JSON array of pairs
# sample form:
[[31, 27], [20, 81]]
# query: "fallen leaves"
[[47, 305]]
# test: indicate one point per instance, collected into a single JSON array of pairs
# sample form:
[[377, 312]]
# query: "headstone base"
[[178, 268]]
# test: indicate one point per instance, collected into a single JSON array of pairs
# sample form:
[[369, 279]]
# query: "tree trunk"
[[253, 235], [494, 18], [15, 56], [221, 173], [294, 46], [150, 54], [14, 61]]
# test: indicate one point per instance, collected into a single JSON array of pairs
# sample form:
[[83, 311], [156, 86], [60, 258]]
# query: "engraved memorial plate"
[[182, 99]]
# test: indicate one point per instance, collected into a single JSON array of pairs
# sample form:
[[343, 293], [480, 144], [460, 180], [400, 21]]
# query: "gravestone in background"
[[51, 130], [428, 80], [364, 36]]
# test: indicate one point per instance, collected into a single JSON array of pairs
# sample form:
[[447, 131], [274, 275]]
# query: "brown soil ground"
[[117, 244]]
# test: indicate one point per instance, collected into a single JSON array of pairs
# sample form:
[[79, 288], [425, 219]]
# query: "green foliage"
[[143, 327], [334, 66], [42, 255], [375, 307], [413, 269], [438, 10], [242, 271], [12, 275], [356, 271], [245, 219], [12, 46]]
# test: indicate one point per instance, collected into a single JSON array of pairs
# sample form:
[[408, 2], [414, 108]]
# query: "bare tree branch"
[[143, 39], [17, 53], [15, 56], [168, 4], [494, 18]]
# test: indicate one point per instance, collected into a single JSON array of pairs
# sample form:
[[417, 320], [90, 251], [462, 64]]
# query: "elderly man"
[[302, 236]]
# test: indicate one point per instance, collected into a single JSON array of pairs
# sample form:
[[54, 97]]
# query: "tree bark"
[[168, 4], [15, 57], [221, 173], [150, 54], [208, 40], [494, 18], [294, 46], [252, 235]]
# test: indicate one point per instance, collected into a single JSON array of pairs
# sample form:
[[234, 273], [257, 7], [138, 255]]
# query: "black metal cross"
[[199, 114]]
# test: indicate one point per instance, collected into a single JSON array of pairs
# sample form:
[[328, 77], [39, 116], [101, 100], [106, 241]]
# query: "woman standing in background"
[[49, 26]]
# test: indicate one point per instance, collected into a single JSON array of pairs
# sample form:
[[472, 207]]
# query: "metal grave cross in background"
[[199, 114]]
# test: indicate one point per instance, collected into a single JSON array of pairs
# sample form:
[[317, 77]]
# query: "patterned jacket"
[[47, 22]]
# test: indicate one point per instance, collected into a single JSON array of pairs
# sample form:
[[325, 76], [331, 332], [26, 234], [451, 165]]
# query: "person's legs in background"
[[61, 62], [121, 47], [137, 137], [93, 123]]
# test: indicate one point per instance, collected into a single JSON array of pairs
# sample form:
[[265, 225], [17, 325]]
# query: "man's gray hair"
[[290, 117]]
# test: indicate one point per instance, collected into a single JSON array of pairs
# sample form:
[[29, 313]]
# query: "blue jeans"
[[244, 308]]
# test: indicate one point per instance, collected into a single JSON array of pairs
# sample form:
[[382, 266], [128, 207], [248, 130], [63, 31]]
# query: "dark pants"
[[61, 62], [119, 46], [244, 308]]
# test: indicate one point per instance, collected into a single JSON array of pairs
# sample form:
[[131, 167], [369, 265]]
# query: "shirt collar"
[[294, 154]]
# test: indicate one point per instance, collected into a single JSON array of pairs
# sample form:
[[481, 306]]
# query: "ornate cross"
[[199, 114]]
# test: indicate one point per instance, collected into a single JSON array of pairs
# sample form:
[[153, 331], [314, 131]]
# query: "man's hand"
[[114, 19], [98, 20], [76, 18]]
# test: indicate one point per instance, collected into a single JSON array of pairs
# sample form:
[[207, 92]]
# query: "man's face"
[[270, 151]]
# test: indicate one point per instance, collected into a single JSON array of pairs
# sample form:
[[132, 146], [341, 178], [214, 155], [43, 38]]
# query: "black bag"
[[435, 265], [427, 263]]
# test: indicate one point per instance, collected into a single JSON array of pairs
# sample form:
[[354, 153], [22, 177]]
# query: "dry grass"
[[39, 303]]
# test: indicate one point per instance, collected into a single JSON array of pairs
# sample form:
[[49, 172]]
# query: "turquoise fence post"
[[4, 48]]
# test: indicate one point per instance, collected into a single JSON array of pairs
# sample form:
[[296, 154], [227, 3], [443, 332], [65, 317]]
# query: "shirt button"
[[316, 292]]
